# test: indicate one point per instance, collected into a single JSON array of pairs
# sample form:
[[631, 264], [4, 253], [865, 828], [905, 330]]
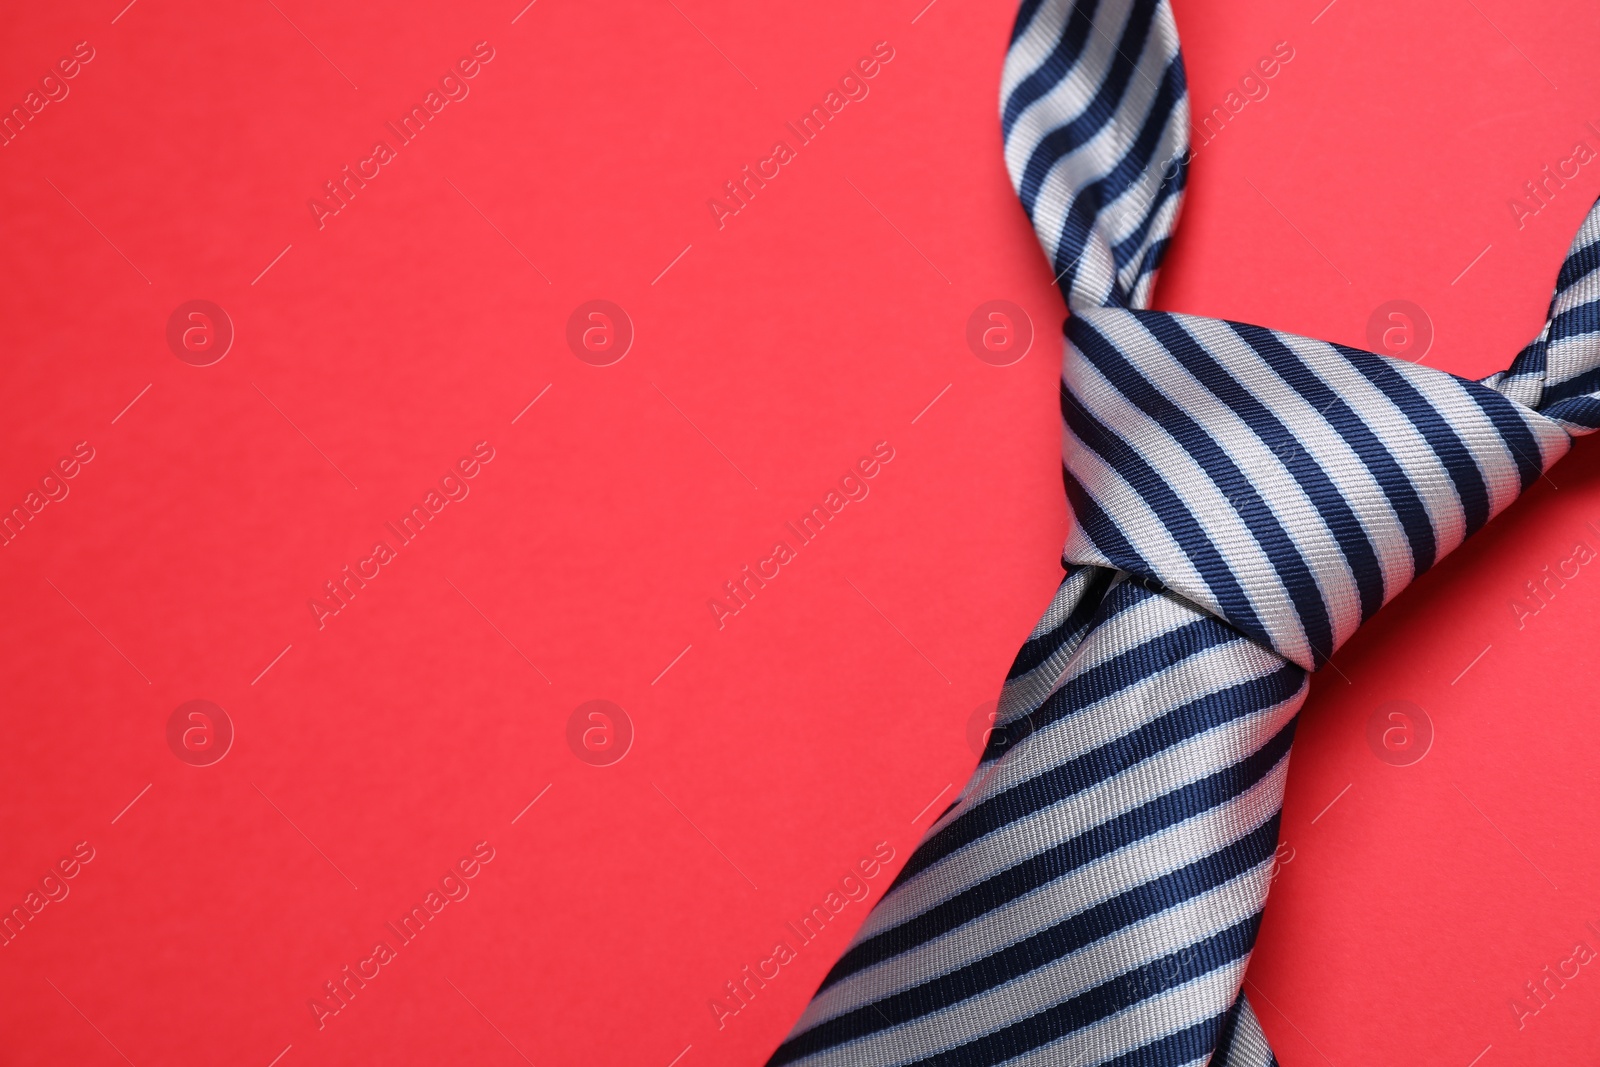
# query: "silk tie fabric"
[[1244, 499]]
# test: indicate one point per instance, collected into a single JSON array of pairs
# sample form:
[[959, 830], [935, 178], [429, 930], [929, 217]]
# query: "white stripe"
[[1089, 163], [1149, 618], [1142, 1023], [1032, 48], [1073, 816], [1230, 535], [1152, 697], [1472, 425], [1102, 480], [1000, 1006], [1258, 465], [1313, 427], [1389, 424], [1250, 1048], [1068, 98], [1021, 695], [1161, 853]]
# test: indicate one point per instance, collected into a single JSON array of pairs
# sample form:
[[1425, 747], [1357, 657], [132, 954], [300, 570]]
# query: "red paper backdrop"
[[373, 352]]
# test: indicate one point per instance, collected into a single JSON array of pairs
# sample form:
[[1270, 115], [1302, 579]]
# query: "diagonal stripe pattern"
[[1245, 499]]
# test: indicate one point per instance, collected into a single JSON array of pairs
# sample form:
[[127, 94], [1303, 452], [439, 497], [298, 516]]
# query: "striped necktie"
[[1244, 500]]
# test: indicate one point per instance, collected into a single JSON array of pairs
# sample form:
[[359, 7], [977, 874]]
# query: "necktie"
[[1244, 499]]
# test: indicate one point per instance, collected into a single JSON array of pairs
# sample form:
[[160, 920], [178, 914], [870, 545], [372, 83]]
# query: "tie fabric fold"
[[1244, 500]]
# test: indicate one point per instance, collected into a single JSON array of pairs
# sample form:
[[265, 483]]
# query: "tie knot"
[[1290, 486]]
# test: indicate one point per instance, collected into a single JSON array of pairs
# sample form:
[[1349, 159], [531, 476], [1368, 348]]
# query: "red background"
[[822, 319]]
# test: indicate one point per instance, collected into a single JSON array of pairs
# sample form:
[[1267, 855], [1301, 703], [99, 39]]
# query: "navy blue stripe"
[[1005, 886], [1122, 670], [1168, 187], [1098, 1003], [1184, 1046], [1580, 411], [1099, 528], [1036, 650], [1097, 114], [1044, 948], [1577, 385], [1181, 724], [1575, 322], [1024, 19], [1087, 202], [1062, 58], [1508, 422], [1379, 461], [1281, 550], [1359, 555], [1151, 263], [1180, 522], [1455, 456], [1530, 361], [1579, 263], [1224, 1042]]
